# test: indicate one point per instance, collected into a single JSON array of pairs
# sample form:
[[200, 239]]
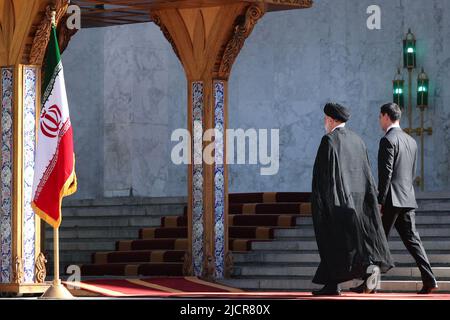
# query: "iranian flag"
[[54, 171]]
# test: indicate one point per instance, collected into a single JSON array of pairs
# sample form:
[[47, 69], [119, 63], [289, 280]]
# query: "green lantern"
[[399, 89], [409, 50], [422, 89]]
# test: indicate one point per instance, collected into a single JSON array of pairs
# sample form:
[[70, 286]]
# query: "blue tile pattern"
[[219, 180], [29, 143], [6, 174], [197, 178]]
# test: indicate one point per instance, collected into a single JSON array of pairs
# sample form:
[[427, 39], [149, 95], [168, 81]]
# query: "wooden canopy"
[[102, 13], [206, 36]]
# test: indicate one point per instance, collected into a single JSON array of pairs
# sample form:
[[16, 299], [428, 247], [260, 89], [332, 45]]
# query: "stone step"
[[123, 202], [434, 204], [110, 221], [294, 257], [441, 273], [292, 270], [89, 245], [410, 286], [305, 285], [78, 257], [99, 233], [435, 195], [273, 270], [433, 212], [127, 232], [119, 211], [308, 231], [312, 245], [132, 269], [277, 284], [420, 220]]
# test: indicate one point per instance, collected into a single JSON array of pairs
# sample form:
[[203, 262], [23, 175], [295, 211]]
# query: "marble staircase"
[[290, 260]]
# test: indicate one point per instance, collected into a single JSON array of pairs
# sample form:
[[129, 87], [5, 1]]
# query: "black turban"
[[337, 112]]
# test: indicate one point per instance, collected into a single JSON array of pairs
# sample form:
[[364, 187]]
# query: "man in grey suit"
[[396, 172]]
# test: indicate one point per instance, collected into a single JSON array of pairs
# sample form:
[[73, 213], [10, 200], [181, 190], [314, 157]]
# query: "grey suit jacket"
[[397, 159]]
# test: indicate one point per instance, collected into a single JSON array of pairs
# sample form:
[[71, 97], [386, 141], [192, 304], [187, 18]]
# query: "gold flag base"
[[57, 291]]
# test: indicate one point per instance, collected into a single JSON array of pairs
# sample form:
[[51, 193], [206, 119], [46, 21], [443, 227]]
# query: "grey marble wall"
[[141, 80], [296, 61], [83, 70], [130, 93]]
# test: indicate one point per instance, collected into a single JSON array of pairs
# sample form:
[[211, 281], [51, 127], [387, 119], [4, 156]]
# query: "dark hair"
[[392, 110]]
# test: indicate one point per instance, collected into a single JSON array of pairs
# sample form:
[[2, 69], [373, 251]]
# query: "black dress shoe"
[[427, 289], [362, 288], [328, 290]]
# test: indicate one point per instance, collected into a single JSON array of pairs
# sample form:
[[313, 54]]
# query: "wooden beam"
[[207, 41], [142, 7], [180, 4], [24, 16]]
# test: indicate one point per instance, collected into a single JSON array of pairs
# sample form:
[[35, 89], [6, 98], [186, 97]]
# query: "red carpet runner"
[[159, 251], [148, 287], [192, 287]]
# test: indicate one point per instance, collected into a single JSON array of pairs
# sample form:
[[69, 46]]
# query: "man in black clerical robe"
[[346, 216]]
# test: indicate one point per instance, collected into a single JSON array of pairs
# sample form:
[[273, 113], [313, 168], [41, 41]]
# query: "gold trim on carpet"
[[83, 293], [101, 257], [284, 221], [230, 220], [269, 197], [305, 208], [131, 270], [157, 256], [262, 233], [181, 244], [94, 288], [171, 222], [215, 285], [240, 245], [249, 208], [125, 245], [148, 233], [153, 285]]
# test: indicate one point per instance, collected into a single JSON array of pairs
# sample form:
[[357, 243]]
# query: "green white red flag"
[[54, 172]]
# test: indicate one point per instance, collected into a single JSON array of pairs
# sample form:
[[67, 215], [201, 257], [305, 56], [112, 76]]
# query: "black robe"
[[347, 220]]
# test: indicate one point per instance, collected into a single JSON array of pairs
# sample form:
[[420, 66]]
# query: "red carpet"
[[148, 287], [159, 251], [192, 287]]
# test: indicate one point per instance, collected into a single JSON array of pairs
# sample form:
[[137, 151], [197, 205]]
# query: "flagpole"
[[57, 290], [56, 280]]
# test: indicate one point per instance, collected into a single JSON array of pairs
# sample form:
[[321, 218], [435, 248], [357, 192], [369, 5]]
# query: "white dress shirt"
[[342, 125], [394, 125]]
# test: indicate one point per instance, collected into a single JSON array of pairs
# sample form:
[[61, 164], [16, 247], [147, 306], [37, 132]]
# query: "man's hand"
[[380, 207]]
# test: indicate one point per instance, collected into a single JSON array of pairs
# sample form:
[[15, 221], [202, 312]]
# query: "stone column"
[[22, 47], [207, 41], [20, 227], [209, 187]]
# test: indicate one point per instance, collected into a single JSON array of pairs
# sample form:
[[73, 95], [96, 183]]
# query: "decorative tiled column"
[[197, 178], [207, 38], [30, 220], [208, 182], [26, 27], [207, 41], [219, 180], [20, 227], [6, 213], [220, 187]]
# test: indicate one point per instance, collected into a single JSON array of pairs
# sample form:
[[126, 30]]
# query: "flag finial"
[[54, 18]]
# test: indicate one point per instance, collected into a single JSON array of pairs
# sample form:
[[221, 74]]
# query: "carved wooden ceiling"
[[20, 22], [102, 13]]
